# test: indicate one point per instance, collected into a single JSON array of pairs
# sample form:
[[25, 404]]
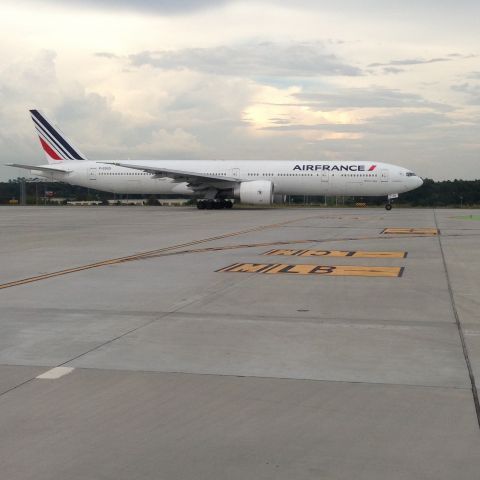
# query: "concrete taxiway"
[[168, 345]]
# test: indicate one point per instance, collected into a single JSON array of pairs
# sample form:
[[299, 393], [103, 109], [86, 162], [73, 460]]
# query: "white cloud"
[[250, 79]]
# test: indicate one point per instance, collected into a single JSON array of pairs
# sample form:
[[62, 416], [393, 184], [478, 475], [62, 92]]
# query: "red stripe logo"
[[373, 167], [49, 150]]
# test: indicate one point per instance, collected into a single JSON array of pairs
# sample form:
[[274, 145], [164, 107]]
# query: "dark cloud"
[[393, 70], [161, 7], [251, 60], [405, 123], [471, 91], [106, 55], [421, 61], [411, 61], [325, 127], [375, 97], [420, 11]]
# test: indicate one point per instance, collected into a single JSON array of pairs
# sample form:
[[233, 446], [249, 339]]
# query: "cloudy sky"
[[395, 81]]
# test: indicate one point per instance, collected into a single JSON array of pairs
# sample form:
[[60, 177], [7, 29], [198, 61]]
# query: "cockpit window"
[[410, 174]]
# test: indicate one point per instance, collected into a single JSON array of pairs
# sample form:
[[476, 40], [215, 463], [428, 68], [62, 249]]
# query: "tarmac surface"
[[156, 364]]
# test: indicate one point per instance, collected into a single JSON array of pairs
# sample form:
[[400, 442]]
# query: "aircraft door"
[[92, 173], [324, 186], [235, 172], [384, 175]]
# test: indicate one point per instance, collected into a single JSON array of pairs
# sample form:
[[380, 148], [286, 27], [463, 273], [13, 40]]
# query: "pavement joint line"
[[146, 324], [351, 382], [150, 322], [111, 340], [63, 364], [178, 372], [273, 318], [459, 328], [358, 324], [17, 386]]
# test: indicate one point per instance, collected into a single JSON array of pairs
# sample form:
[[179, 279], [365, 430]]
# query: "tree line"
[[447, 193]]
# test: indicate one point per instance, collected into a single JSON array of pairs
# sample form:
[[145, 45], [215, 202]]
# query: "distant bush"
[[152, 201]]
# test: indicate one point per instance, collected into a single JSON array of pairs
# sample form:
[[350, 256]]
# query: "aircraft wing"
[[194, 179], [38, 168]]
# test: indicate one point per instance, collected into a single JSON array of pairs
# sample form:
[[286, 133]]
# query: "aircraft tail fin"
[[55, 144]]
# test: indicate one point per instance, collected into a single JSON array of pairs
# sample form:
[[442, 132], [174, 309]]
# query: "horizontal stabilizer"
[[36, 167]]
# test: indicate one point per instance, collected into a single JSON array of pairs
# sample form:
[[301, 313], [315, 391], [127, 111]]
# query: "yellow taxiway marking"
[[143, 255], [329, 270], [180, 249], [336, 253], [411, 231]]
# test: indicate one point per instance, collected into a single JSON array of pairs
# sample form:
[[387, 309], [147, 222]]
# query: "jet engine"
[[258, 192]]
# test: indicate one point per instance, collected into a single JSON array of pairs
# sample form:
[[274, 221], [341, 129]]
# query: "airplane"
[[215, 183]]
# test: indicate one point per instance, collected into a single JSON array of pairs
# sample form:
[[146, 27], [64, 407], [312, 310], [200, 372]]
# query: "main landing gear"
[[388, 206], [216, 204]]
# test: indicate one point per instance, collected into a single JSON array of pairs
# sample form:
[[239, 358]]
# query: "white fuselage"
[[288, 177]]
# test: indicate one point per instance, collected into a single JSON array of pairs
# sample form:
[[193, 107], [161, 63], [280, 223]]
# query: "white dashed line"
[[55, 373]]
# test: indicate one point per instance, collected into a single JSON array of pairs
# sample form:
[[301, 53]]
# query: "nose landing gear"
[[389, 205]]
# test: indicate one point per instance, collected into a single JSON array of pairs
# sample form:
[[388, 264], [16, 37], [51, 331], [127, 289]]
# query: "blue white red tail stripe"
[[50, 141], [53, 142], [50, 152], [36, 115]]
